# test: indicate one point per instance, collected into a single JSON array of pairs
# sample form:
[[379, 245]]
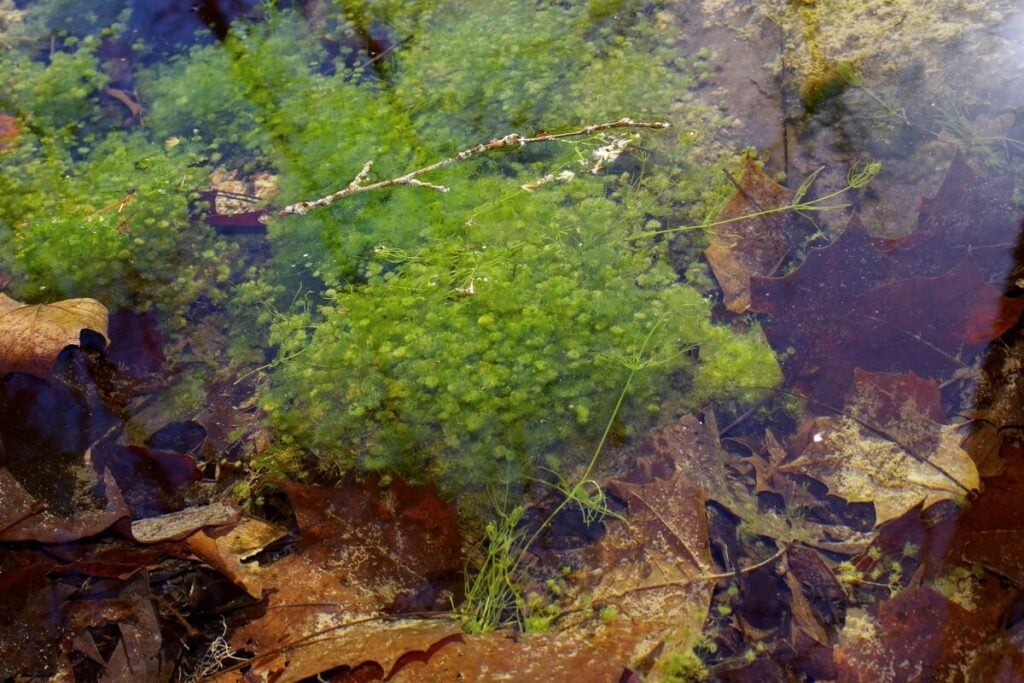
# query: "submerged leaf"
[[365, 552], [32, 336], [914, 304], [991, 532], [858, 465], [750, 244], [921, 634], [28, 521], [654, 563]]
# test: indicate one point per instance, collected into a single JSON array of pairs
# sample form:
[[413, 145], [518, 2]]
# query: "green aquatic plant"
[[492, 596], [91, 210], [493, 593], [495, 351], [478, 335], [475, 338]]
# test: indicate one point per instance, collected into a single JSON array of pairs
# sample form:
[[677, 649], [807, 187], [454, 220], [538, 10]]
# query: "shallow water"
[[726, 386]]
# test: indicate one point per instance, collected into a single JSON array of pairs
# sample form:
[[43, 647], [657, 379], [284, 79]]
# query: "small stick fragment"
[[359, 185]]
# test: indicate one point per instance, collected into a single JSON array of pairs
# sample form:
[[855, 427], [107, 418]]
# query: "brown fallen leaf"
[[917, 303], [577, 655], [379, 646], [656, 563], [19, 505], [805, 618], [891, 447], [750, 246], [27, 521], [694, 447], [991, 532], [920, 634], [365, 552], [153, 482], [653, 571], [136, 655], [28, 629], [31, 337], [858, 465], [226, 552]]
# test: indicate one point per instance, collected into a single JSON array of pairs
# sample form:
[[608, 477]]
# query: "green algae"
[[476, 338], [91, 212]]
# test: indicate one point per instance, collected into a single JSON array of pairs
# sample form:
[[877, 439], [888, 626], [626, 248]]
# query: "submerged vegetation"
[[483, 339], [90, 211], [503, 336], [472, 339]]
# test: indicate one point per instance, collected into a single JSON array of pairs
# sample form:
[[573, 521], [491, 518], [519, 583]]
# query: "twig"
[[682, 583], [358, 184]]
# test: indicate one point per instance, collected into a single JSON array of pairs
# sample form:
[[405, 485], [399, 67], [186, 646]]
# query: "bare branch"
[[359, 185]]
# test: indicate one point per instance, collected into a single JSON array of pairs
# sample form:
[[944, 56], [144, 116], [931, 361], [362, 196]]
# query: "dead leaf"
[[813, 591], [249, 537], [891, 447], [33, 336], [136, 343], [655, 563], [226, 552], [152, 482], [28, 629], [18, 505], [860, 466], [992, 530], [903, 407], [46, 527], [364, 551], [915, 304], [919, 634], [971, 212], [692, 446], [339, 642], [751, 246], [579, 655]]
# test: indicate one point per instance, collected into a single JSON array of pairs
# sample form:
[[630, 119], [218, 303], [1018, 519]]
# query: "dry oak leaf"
[[31, 337]]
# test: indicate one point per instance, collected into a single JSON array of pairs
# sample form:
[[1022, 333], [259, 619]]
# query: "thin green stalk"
[[493, 591], [585, 477], [855, 181]]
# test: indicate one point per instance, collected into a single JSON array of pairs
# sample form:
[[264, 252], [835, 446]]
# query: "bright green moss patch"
[[484, 335]]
